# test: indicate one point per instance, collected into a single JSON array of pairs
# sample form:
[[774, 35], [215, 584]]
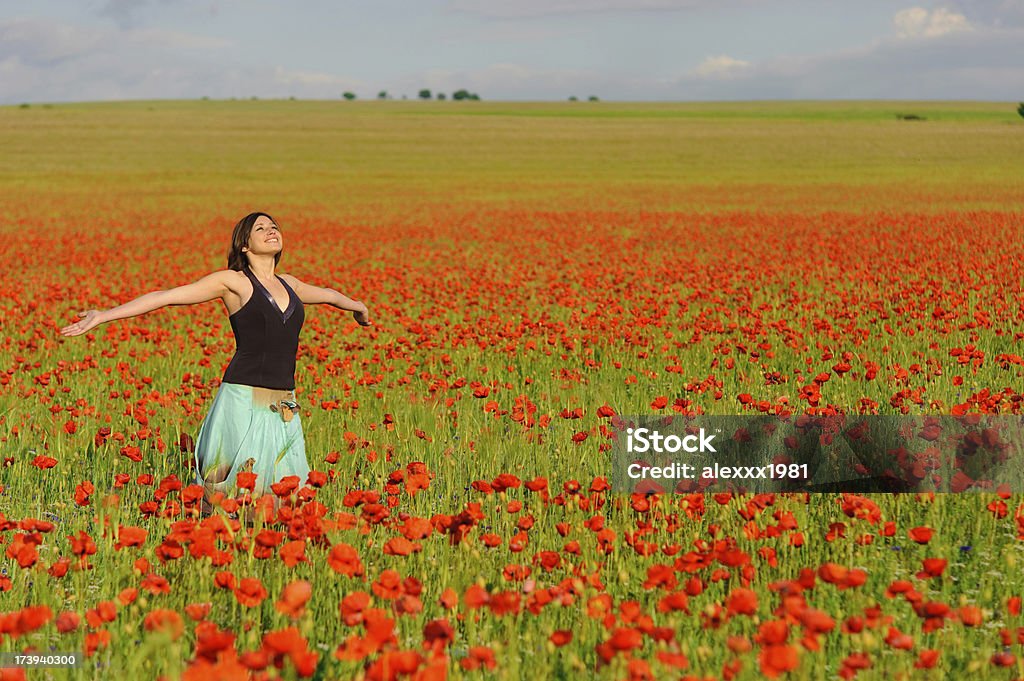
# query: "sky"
[[618, 50]]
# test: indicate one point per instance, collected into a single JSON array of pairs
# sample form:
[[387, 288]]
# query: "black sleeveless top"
[[266, 339]]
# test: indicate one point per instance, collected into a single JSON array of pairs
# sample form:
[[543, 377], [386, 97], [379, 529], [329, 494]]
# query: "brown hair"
[[237, 260]]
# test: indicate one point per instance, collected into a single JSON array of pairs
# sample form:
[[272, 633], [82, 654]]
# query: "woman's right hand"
[[90, 319]]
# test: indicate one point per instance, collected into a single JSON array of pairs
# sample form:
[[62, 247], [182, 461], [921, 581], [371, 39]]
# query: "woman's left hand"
[[362, 316]]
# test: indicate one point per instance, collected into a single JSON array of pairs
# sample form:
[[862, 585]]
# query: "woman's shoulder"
[[235, 280]]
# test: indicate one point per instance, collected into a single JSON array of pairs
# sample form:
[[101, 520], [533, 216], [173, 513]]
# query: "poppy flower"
[[479, 657], [932, 567], [294, 598], [438, 634], [292, 553], [449, 599], [285, 486], [95, 640], [250, 592], [246, 480], [400, 546], [352, 607], [43, 462], [224, 580], [927, 659], [742, 602], [625, 638], [198, 611], [921, 535], [777, 659], [166, 621], [388, 585], [155, 584], [560, 637], [344, 560], [67, 622]]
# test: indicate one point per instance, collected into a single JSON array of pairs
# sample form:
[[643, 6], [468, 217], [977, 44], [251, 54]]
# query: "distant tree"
[[424, 93], [593, 98], [572, 98], [474, 96], [440, 96], [1020, 109], [383, 94], [349, 95], [460, 94]]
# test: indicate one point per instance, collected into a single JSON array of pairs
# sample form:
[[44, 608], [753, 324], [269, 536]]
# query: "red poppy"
[[198, 611], [932, 567], [927, 659], [388, 585], [449, 599], [344, 560], [224, 580], [438, 634], [970, 615], [742, 602], [286, 486], [166, 621], [155, 584], [561, 637], [294, 598], [95, 640], [479, 657], [246, 480], [777, 659], [921, 535], [294, 552], [250, 592]]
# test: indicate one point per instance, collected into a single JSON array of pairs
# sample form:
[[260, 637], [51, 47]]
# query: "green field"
[[337, 156]]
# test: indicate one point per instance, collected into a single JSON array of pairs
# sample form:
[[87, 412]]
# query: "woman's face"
[[265, 239]]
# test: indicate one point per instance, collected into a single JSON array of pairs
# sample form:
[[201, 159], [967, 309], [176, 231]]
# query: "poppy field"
[[533, 272]]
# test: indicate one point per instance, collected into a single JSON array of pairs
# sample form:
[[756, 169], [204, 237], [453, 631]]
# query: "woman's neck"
[[264, 271]]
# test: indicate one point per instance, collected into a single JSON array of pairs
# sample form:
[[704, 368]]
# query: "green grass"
[[708, 156]]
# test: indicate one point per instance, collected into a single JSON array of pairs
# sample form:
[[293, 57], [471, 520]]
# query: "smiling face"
[[255, 236], [265, 238]]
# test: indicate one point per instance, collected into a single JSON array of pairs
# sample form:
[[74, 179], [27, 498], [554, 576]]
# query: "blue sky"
[[53, 50]]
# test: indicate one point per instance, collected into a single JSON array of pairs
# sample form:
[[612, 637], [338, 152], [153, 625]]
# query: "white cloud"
[[44, 61], [721, 66], [956, 65], [918, 22], [930, 55]]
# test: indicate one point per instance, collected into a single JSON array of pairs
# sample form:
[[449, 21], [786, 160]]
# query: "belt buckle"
[[286, 408]]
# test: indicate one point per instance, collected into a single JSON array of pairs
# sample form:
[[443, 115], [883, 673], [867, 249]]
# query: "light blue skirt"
[[240, 434]]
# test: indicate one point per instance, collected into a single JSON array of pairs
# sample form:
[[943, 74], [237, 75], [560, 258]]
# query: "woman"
[[253, 424]]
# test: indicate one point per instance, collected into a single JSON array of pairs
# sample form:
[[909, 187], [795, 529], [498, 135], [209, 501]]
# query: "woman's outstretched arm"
[[208, 288], [314, 295]]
